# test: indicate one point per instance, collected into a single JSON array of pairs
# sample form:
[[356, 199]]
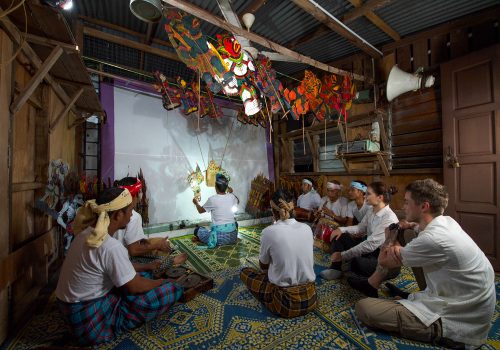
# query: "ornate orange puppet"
[[268, 84], [169, 96]]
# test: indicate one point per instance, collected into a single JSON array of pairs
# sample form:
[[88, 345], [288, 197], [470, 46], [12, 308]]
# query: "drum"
[[303, 215]]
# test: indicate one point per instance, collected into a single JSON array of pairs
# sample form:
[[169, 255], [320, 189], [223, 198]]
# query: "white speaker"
[[400, 82], [147, 10]]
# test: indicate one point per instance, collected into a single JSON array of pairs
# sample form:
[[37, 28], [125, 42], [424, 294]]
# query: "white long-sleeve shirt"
[[374, 226], [460, 282], [309, 201]]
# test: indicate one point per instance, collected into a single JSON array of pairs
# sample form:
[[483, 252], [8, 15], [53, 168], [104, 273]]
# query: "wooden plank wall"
[[6, 51], [31, 241]]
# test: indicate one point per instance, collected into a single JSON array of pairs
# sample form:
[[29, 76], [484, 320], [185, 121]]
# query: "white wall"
[[164, 144]]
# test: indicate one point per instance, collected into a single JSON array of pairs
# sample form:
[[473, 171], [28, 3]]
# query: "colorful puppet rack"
[[228, 69]]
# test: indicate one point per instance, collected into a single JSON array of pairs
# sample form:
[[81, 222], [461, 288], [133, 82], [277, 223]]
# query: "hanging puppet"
[[195, 51], [66, 215], [312, 87], [241, 64], [270, 86], [168, 95], [187, 97], [194, 180], [205, 101], [54, 190]]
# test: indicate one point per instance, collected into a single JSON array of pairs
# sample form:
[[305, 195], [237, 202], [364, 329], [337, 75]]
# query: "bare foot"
[[180, 259], [195, 239]]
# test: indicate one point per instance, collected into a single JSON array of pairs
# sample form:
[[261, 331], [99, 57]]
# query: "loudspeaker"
[[400, 82], [147, 10]]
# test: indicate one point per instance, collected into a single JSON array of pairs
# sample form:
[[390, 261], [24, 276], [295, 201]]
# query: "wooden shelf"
[[380, 157]]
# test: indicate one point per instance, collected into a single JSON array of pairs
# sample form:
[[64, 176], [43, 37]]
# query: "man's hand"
[[229, 190], [336, 257], [390, 257], [180, 259], [154, 265], [406, 224], [358, 235], [335, 235], [164, 245], [195, 201]]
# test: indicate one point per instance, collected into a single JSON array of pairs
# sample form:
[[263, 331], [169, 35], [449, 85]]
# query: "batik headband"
[[358, 186], [333, 186], [306, 181], [133, 189]]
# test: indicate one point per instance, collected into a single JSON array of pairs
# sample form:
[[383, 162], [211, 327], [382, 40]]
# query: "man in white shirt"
[[286, 283], [307, 202], [457, 306], [99, 293], [347, 242], [221, 206], [357, 207]]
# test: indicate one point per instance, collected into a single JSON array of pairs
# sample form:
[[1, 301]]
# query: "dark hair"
[[381, 189], [221, 183], [109, 195], [71, 184], [126, 181], [284, 194], [335, 182], [430, 191]]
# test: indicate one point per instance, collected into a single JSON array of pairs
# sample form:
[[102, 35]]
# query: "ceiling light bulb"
[[68, 5]]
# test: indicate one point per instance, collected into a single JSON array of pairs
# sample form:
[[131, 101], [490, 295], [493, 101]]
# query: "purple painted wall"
[[108, 133]]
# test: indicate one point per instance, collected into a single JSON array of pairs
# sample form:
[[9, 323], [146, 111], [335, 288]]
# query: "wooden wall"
[[30, 240]]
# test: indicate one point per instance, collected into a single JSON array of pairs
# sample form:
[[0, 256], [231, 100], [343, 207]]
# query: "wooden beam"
[[39, 40], [377, 21], [36, 79], [74, 83], [70, 104], [370, 5], [26, 186], [253, 7], [490, 13], [33, 100], [28, 51], [321, 16], [130, 43], [207, 16]]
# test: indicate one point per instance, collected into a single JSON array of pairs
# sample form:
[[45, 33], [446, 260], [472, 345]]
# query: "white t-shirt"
[[287, 246], [374, 225], [339, 207], [460, 282], [309, 201], [133, 232], [220, 206], [354, 212], [89, 273]]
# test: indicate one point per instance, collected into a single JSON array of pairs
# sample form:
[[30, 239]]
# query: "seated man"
[[357, 207], [222, 206], [347, 242], [458, 303], [99, 293], [333, 209], [134, 239], [286, 283], [308, 201]]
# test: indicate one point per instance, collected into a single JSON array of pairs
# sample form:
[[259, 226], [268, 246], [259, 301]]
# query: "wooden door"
[[471, 142]]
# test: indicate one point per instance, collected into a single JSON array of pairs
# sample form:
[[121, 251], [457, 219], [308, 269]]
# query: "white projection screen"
[[165, 145]]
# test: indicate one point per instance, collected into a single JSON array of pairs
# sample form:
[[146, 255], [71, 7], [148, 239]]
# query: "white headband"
[[333, 186], [306, 181]]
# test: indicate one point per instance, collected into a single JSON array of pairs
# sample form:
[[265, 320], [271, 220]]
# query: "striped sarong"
[[102, 319], [286, 302], [226, 234]]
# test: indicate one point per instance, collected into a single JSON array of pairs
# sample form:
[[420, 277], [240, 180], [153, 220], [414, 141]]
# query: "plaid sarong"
[[286, 302], [225, 236], [101, 320]]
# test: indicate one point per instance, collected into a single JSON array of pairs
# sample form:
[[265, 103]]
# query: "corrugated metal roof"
[[407, 17], [283, 22]]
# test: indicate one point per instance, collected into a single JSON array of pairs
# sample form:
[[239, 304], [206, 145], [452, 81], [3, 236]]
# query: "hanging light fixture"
[[147, 10]]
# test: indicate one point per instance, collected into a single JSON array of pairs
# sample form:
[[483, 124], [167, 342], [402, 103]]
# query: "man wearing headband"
[[99, 293], [286, 283], [357, 207], [332, 211], [309, 199], [133, 238], [221, 206]]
